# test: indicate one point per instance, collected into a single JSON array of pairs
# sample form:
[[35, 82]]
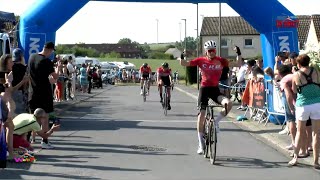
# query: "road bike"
[[165, 101], [210, 132]]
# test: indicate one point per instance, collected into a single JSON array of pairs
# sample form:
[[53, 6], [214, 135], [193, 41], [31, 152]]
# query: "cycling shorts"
[[145, 76], [165, 80], [212, 92]]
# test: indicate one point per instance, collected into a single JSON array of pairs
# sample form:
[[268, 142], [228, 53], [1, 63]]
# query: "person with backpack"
[[306, 84]]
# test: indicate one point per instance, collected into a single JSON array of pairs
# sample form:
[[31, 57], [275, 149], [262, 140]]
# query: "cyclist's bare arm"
[[184, 62], [158, 77], [150, 73], [170, 78]]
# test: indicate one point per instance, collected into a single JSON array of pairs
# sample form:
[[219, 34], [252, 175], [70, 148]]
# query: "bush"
[[113, 54], [314, 59], [159, 55]]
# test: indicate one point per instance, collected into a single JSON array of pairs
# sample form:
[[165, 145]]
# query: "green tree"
[[125, 41], [191, 44], [145, 50]]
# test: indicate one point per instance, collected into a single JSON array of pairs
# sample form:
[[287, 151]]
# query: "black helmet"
[[165, 65], [145, 65]]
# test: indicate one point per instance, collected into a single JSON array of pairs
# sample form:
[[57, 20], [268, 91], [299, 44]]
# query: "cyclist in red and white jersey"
[[211, 69], [165, 78], [145, 74]]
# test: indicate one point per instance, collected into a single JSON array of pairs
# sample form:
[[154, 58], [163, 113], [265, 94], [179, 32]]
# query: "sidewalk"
[[268, 134]]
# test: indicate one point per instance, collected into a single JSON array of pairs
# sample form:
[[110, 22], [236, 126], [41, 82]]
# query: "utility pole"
[[157, 31], [185, 44], [198, 78], [180, 33], [219, 51]]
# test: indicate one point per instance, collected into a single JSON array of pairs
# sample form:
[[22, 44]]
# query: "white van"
[[92, 61], [124, 65]]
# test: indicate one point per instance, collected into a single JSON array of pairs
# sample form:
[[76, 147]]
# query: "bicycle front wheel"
[[213, 142], [206, 138], [165, 106], [144, 93]]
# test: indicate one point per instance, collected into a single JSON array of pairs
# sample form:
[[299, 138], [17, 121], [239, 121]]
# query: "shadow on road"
[[253, 132], [102, 125], [245, 162], [184, 115], [17, 174], [105, 148]]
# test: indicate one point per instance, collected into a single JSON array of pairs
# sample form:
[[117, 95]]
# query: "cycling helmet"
[[145, 65], [210, 45], [165, 65]]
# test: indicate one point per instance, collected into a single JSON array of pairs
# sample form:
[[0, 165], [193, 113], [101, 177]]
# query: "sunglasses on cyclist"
[[211, 50]]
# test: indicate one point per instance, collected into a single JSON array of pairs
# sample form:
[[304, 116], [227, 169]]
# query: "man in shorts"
[[145, 74], [211, 69], [42, 73], [165, 78]]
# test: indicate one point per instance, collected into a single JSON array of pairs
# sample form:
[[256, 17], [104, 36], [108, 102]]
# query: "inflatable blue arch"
[[41, 21]]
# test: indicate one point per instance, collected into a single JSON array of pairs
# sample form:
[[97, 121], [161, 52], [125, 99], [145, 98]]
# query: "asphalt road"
[[115, 135]]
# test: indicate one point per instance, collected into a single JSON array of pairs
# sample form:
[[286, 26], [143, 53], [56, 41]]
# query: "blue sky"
[[141, 24]]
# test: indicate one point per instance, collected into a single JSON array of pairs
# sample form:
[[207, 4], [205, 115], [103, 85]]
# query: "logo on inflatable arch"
[[287, 22], [35, 42], [283, 41]]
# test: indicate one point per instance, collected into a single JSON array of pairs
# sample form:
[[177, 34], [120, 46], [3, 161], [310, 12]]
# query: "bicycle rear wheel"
[[213, 142]]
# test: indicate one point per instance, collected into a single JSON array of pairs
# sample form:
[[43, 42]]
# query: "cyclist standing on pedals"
[[145, 74], [211, 69], [164, 78]]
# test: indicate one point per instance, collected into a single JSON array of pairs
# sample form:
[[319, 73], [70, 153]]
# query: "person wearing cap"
[[18, 71], [24, 123], [41, 70], [293, 61]]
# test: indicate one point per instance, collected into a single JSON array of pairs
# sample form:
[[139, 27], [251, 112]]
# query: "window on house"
[[224, 43], [248, 43]]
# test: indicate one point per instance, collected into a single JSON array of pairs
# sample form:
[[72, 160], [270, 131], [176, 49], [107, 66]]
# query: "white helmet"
[[210, 45]]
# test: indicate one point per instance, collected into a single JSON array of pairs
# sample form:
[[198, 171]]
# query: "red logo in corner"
[[287, 22]]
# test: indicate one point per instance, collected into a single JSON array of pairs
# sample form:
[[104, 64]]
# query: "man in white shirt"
[[72, 77], [241, 75]]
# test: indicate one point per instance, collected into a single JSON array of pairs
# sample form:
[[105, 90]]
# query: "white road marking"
[[187, 93]]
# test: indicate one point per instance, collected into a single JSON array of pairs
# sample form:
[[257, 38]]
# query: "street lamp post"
[[219, 50], [197, 45], [157, 31], [180, 33], [185, 43]]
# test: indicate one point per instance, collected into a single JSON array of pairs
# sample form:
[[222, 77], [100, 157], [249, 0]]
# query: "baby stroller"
[[95, 80]]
